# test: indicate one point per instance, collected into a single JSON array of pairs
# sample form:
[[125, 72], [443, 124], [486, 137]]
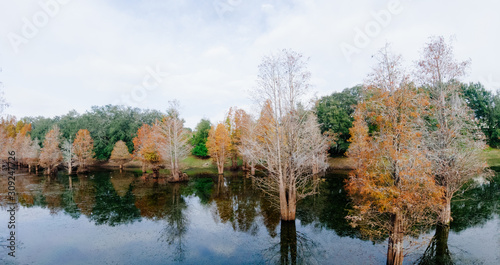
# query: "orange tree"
[[84, 149], [218, 145], [392, 188], [51, 155]]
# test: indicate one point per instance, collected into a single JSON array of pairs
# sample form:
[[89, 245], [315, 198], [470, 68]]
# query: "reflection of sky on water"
[[197, 233]]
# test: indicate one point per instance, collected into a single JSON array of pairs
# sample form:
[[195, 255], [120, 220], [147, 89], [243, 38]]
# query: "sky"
[[60, 55]]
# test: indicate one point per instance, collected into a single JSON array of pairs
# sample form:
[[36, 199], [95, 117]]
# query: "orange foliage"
[[84, 148], [218, 145]]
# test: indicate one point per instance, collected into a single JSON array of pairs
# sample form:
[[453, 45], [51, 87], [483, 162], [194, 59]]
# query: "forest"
[[415, 139]]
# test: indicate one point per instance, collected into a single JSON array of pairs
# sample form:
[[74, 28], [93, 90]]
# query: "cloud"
[[94, 52]]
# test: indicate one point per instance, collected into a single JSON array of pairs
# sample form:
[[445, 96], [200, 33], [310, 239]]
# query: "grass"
[[492, 156]]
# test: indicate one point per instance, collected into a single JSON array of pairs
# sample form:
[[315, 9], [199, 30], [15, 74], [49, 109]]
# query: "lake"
[[108, 217]]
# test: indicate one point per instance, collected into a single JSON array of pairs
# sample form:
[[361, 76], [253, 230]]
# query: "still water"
[[108, 217]]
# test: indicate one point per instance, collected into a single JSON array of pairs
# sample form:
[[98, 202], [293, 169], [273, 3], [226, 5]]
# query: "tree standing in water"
[[392, 187], [283, 144], [452, 136]]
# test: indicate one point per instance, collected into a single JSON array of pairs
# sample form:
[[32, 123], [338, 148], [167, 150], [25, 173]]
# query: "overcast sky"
[[73, 54]]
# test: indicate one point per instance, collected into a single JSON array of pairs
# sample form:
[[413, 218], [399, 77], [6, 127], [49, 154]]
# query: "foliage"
[[335, 116], [84, 148], [486, 107], [392, 188], [51, 155], [120, 153], [107, 125], [199, 139], [218, 145], [452, 137], [236, 121]]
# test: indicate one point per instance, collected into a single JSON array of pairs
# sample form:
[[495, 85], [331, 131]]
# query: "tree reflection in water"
[[293, 247], [474, 207], [112, 199], [176, 224]]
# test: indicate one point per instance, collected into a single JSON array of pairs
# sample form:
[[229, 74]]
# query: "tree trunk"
[[175, 175], [252, 169], [395, 249], [445, 215], [143, 167], [29, 168], [70, 168], [234, 161], [288, 242], [220, 166], [156, 172], [121, 167], [288, 199]]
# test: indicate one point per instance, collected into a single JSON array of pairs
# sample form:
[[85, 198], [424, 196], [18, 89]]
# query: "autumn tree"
[[51, 155], [83, 147], [22, 142], [452, 136], [392, 187], [218, 145], [144, 148], [68, 154], [173, 141], [283, 144], [235, 123], [33, 155], [120, 153], [248, 135]]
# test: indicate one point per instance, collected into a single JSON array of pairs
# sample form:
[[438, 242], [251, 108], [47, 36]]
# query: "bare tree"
[[283, 144], [452, 136], [68, 154], [174, 145]]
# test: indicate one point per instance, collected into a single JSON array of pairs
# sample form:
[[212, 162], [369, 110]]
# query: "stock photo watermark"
[[138, 94], [31, 27], [224, 6], [372, 29], [12, 203]]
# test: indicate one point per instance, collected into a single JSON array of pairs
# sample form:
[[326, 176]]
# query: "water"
[[108, 217]]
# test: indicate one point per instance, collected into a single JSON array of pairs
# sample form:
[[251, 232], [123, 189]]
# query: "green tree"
[[335, 115], [200, 137], [486, 108]]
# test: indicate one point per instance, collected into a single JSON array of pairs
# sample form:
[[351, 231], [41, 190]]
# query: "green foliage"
[[107, 125], [200, 137], [486, 107], [335, 116]]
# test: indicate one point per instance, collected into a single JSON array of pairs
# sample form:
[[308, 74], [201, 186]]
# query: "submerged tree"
[[283, 145], [392, 188], [452, 136], [84, 149], [218, 145], [51, 155], [120, 153]]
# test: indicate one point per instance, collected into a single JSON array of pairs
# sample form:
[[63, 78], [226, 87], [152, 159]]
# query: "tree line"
[[415, 139]]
